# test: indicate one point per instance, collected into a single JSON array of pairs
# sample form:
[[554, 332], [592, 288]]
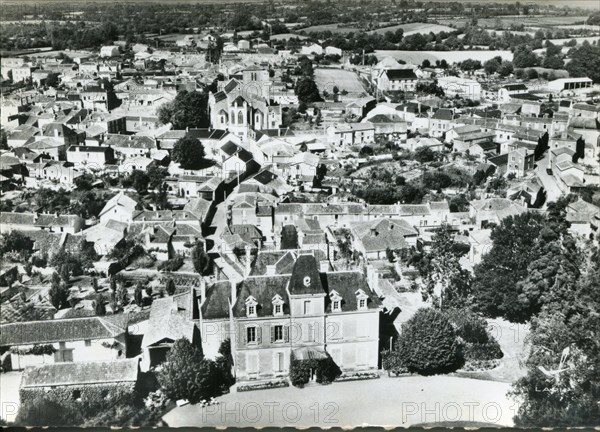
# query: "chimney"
[[323, 266], [271, 270]]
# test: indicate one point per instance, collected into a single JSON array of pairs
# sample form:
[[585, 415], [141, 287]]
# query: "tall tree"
[[187, 110], [189, 153]]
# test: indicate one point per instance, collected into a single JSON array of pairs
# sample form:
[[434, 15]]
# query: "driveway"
[[9, 395], [404, 401]]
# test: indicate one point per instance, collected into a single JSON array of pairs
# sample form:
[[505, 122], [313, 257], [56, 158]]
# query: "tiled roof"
[[81, 373], [38, 332]]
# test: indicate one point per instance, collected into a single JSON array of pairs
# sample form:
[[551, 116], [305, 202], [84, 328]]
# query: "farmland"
[[326, 79], [507, 21], [417, 57], [413, 28]]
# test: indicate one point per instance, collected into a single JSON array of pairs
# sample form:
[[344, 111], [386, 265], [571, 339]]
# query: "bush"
[[326, 370], [391, 361], [428, 344], [482, 351]]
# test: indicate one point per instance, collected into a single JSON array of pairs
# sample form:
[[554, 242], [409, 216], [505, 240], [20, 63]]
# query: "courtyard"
[[404, 401]]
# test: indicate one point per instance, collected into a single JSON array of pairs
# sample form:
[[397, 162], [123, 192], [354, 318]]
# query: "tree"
[[564, 338], [201, 260], [59, 293], [447, 282], [84, 181], [139, 180], [424, 154], [506, 68], [170, 286], [189, 153], [156, 175], [492, 65], [100, 305], [187, 375], [189, 109], [524, 57], [122, 296], [16, 241], [137, 295], [428, 343], [585, 61], [307, 91], [530, 254]]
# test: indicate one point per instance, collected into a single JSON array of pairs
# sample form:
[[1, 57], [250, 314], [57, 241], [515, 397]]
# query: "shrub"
[[429, 344], [482, 351], [391, 361], [326, 370]]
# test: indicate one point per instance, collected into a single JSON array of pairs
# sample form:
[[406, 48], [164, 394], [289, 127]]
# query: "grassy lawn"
[[381, 402]]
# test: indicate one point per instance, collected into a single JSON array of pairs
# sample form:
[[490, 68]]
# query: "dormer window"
[[277, 305], [361, 299], [251, 305], [336, 301]]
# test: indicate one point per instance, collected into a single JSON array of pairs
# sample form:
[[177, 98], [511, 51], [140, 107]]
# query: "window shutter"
[[272, 334], [286, 333], [258, 334], [246, 336]]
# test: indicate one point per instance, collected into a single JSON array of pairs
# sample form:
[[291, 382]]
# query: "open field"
[[326, 79], [413, 28], [417, 57], [333, 28], [506, 21]]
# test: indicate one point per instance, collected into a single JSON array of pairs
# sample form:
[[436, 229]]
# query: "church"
[[242, 105]]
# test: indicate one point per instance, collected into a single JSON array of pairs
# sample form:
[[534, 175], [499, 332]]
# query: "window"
[[278, 309], [362, 303], [306, 307], [88, 343], [277, 333], [251, 335], [335, 306], [240, 118], [251, 310]]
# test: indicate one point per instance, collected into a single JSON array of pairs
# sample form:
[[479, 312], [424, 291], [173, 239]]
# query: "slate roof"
[[81, 373], [170, 319], [400, 74], [263, 289], [216, 305], [305, 276], [346, 283], [63, 330]]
